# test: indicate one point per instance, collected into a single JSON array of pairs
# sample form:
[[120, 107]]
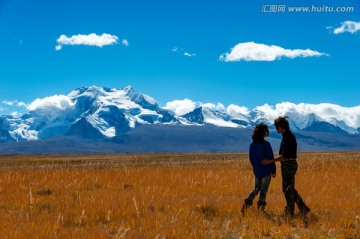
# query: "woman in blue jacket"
[[260, 149]]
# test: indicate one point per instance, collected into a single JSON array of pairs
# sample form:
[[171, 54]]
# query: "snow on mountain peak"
[[238, 112], [300, 114], [108, 112], [216, 115], [128, 89], [235, 109], [118, 98], [218, 107], [149, 99], [91, 92]]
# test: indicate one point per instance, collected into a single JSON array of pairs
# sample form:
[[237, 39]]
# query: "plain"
[[171, 196]]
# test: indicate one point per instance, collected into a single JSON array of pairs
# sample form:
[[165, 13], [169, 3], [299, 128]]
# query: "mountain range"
[[108, 120]]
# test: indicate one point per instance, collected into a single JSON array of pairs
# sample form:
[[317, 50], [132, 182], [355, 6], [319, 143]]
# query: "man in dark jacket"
[[287, 157]]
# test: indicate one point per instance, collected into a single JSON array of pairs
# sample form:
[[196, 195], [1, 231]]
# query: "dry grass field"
[[171, 196]]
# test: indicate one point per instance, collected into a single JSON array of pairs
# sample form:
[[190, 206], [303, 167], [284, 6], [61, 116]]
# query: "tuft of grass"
[[209, 211], [44, 192], [127, 186], [44, 207]]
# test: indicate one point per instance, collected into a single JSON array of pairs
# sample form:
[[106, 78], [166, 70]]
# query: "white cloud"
[[56, 102], [218, 107], [209, 105], [16, 114], [125, 42], [235, 110], [13, 103], [189, 54], [329, 112], [8, 102], [89, 40], [347, 26], [299, 114], [183, 52], [181, 107], [251, 51], [21, 104]]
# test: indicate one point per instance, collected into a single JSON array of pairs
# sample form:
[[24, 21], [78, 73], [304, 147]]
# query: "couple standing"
[[263, 163]]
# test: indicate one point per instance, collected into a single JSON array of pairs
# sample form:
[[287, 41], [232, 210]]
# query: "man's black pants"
[[288, 171]]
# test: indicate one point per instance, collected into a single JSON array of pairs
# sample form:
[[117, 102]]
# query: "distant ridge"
[[100, 120]]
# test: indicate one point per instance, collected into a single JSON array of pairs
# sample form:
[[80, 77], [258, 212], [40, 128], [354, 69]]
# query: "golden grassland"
[[171, 196]]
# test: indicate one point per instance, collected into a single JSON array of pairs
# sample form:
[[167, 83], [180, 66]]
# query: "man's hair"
[[259, 132], [282, 122]]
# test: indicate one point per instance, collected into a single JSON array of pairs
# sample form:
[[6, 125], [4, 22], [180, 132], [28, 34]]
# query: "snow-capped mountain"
[[104, 113]]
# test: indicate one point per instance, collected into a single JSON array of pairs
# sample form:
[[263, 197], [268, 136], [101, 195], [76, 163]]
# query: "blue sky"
[[173, 51]]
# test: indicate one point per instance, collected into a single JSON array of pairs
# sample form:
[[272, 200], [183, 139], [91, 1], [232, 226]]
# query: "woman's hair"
[[282, 122], [259, 132]]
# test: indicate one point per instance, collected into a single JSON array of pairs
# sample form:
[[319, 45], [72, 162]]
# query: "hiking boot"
[[289, 212], [304, 211], [261, 206], [246, 205]]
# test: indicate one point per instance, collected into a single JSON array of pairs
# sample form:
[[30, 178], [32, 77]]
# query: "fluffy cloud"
[[89, 40], [56, 102], [16, 114], [182, 51], [236, 110], [6, 102], [347, 26], [181, 107], [251, 51], [125, 42], [189, 54], [218, 107], [21, 104], [9, 103], [14, 102], [329, 112]]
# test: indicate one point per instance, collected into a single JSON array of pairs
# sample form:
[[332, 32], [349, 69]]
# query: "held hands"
[[266, 161]]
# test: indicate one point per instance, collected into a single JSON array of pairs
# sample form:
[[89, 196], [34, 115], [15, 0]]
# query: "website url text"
[[313, 8]]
